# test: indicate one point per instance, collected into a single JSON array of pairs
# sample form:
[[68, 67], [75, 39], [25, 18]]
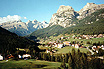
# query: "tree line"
[[75, 60]]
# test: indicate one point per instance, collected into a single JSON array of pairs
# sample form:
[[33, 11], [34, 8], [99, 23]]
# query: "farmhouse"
[[60, 45], [1, 57], [26, 56], [77, 45]]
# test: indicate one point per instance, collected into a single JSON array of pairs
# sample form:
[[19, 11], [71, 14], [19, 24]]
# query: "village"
[[60, 43]]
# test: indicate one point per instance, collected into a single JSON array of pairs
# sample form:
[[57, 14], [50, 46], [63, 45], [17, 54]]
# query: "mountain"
[[34, 25], [89, 9], [10, 41], [91, 24], [67, 17], [64, 17], [21, 28]]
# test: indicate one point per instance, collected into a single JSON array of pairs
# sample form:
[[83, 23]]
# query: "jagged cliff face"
[[66, 14], [88, 9], [22, 28], [14, 24], [63, 17], [34, 25]]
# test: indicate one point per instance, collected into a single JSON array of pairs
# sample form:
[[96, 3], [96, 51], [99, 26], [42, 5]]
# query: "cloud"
[[25, 18], [11, 18]]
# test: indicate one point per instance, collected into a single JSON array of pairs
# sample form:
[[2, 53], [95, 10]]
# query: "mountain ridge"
[[66, 15], [92, 24], [22, 28]]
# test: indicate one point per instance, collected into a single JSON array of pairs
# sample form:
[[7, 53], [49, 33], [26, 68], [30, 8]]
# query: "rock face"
[[22, 28], [66, 15], [14, 24], [34, 25], [88, 9], [63, 17]]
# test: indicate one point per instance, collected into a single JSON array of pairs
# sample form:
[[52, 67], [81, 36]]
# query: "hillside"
[[10, 41], [92, 24], [46, 32]]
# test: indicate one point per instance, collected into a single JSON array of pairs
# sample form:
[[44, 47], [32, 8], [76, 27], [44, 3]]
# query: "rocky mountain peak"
[[66, 16], [44, 22], [22, 28], [63, 17], [34, 21], [28, 21], [88, 9], [63, 8]]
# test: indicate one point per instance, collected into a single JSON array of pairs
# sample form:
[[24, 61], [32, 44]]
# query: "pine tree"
[[70, 62], [66, 58]]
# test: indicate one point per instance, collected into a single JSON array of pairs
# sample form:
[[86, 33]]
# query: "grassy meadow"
[[29, 64], [68, 49]]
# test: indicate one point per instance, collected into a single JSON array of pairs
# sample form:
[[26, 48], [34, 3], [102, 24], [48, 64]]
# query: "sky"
[[41, 10]]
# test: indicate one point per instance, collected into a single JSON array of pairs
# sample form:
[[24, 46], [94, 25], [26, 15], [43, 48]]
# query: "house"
[[100, 35], [47, 51], [66, 43], [26, 55], [20, 56], [60, 45], [87, 37], [1, 57], [56, 45], [77, 45], [79, 37], [73, 45], [93, 48]]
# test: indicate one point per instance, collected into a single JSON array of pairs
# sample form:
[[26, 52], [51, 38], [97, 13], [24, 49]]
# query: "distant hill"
[[92, 24], [10, 41], [23, 29]]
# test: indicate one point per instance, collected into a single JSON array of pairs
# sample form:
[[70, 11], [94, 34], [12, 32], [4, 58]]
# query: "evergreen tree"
[[70, 62], [66, 58]]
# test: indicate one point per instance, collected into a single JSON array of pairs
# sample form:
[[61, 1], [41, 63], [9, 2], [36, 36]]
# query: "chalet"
[[19, 56], [47, 51], [77, 45], [102, 46], [87, 37], [1, 57], [56, 44], [100, 35], [79, 38], [93, 48], [66, 43], [73, 45], [60, 45], [26, 56], [62, 38]]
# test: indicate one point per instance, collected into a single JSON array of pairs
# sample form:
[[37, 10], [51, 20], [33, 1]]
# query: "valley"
[[71, 40]]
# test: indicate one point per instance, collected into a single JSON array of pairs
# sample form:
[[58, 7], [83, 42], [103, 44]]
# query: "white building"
[[20, 56], [26, 55], [60, 45], [76, 46], [1, 57]]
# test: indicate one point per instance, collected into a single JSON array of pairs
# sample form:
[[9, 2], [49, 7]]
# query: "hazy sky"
[[37, 9]]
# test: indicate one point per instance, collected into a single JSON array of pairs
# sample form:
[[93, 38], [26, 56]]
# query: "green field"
[[68, 49], [86, 40], [29, 64]]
